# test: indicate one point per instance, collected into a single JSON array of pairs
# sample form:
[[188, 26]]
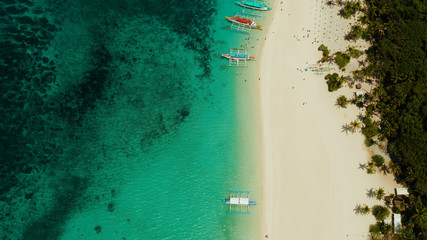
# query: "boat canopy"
[[240, 55], [253, 4], [239, 201]]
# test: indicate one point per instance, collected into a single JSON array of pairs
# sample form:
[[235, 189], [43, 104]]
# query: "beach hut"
[[397, 223], [401, 191]]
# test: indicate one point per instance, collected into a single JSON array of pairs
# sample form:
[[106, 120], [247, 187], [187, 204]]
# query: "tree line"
[[396, 64]]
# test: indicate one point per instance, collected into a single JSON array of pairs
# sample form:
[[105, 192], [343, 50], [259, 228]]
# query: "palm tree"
[[342, 101], [420, 215], [370, 169], [355, 126], [388, 200], [379, 193], [365, 210], [380, 212]]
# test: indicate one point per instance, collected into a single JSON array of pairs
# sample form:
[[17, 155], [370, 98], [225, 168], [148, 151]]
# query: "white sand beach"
[[312, 179]]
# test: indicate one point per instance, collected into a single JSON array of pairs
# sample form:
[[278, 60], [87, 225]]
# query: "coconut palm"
[[379, 193], [370, 169], [380, 212], [355, 126], [420, 215], [388, 200], [365, 210], [342, 101]]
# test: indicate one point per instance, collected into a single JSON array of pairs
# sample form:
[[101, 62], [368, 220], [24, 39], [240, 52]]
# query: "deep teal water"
[[119, 121]]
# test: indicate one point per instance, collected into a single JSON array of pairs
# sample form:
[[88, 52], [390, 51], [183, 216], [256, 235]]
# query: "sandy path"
[[312, 180]]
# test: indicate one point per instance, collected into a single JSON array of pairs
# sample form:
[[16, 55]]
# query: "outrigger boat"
[[244, 22], [239, 202], [257, 5], [238, 57]]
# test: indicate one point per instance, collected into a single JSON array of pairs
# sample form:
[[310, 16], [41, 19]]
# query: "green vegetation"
[[350, 8], [355, 126], [388, 200], [379, 193], [370, 128], [342, 101], [325, 53], [354, 53], [365, 210], [334, 81], [369, 142], [370, 169], [374, 228], [396, 60], [380, 212], [378, 160], [341, 59], [356, 33]]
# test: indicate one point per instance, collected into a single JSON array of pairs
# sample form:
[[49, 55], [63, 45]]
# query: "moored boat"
[[238, 56], [244, 22], [253, 5]]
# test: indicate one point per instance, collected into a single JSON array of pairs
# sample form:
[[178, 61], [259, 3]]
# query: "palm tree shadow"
[[358, 209], [330, 4], [345, 128], [370, 193], [384, 169], [362, 166]]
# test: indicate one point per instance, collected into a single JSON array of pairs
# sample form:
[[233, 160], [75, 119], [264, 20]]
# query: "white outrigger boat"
[[239, 202], [257, 5]]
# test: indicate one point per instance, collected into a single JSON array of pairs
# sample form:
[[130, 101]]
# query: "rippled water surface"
[[118, 121]]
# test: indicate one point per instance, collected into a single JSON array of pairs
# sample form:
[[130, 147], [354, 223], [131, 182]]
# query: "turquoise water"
[[120, 121]]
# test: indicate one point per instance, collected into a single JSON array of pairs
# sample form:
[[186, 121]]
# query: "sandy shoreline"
[[312, 181]]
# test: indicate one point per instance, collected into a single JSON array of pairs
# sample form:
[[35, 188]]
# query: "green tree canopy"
[[341, 59], [378, 160], [380, 212]]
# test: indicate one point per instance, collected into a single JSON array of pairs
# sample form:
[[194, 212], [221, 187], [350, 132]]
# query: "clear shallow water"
[[119, 121]]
